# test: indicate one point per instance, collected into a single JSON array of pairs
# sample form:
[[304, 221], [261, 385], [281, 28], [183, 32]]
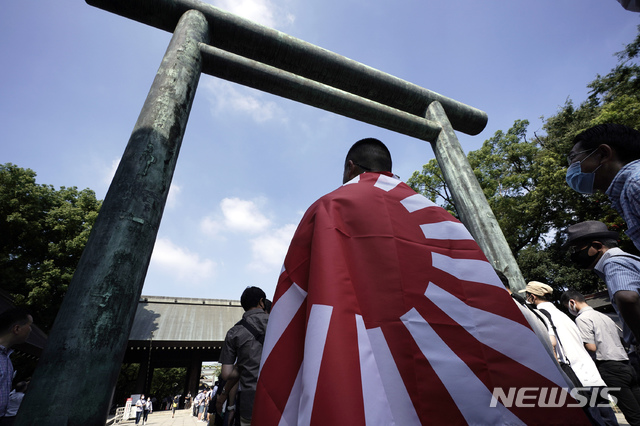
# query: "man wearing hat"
[[593, 246], [570, 349]]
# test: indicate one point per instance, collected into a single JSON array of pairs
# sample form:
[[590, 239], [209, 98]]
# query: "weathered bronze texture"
[[470, 202], [251, 40], [78, 369], [282, 83]]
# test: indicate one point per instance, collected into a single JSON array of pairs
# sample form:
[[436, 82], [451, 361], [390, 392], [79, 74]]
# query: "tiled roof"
[[184, 319]]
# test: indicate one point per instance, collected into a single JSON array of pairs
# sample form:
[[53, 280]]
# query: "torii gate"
[[75, 378]]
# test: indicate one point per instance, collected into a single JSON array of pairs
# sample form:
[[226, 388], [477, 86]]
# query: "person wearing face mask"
[[571, 351], [593, 246], [606, 158], [600, 335]]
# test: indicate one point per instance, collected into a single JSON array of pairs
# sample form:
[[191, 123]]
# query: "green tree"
[[509, 169], [43, 233], [168, 382], [126, 384], [524, 180], [430, 183], [512, 172]]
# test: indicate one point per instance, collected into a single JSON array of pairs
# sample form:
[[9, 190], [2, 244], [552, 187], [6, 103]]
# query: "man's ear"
[[352, 170], [347, 174], [607, 153]]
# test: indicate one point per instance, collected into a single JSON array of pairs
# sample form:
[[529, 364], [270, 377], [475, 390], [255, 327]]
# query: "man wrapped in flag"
[[388, 313]]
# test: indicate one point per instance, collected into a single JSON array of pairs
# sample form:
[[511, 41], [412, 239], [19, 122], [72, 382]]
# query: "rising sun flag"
[[388, 313]]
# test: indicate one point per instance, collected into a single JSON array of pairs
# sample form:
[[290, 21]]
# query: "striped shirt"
[[6, 377], [624, 193], [620, 271]]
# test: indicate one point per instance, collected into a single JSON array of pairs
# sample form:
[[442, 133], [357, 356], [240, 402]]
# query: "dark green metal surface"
[[282, 83], [470, 202], [274, 48], [78, 369]]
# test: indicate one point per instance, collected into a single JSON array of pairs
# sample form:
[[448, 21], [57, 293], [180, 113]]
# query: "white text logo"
[[551, 397]]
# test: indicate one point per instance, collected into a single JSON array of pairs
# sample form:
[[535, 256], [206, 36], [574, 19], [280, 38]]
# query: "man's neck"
[[582, 307], [608, 173], [6, 341]]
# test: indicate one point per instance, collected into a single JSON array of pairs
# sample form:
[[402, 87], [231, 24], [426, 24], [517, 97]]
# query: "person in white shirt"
[[199, 403], [600, 335], [15, 399], [571, 350], [140, 408], [148, 408]]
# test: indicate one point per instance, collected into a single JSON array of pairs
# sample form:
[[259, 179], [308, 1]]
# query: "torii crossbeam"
[[75, 378]]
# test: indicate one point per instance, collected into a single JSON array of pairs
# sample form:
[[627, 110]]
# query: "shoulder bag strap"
[[555, 331], [258, 336]]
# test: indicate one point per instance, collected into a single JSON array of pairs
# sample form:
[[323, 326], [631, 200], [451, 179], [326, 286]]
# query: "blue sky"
[[74, 78]]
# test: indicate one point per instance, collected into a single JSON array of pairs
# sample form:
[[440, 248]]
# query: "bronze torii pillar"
[[75, 378]]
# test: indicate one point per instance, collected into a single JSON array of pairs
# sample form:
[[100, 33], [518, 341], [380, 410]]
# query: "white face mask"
[[572, 309]]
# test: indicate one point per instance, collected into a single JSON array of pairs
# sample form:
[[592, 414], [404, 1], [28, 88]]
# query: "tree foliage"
[[168, 382], [126, 384], [43, 232], [523, 178]]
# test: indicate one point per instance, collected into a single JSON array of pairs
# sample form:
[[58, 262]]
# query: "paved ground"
[[163, 418], [184, 418]]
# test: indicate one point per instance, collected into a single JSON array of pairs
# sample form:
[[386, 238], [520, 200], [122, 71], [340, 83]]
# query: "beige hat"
[[537, 288]]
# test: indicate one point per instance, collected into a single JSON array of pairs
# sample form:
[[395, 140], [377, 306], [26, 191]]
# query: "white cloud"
[[269, 249], [268, 244], [226, 97], [236, 215], [243, 215], [211, 227], [110, 172], [261, 11], [172, 198], [186, 267]]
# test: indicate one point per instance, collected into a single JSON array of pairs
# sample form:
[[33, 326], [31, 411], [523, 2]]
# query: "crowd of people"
[[203, 406], [387, 309], [354, 257], [606, 158], [362, 310]]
